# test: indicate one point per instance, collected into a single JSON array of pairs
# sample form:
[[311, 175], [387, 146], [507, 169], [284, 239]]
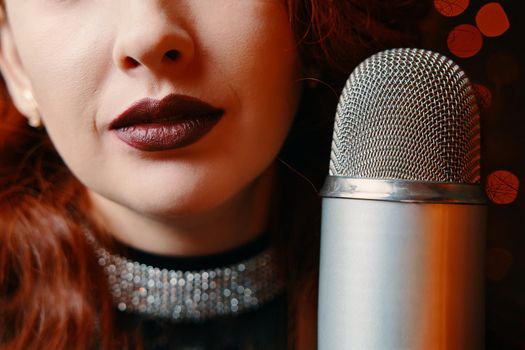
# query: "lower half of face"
[[197, 178], [236, 55]]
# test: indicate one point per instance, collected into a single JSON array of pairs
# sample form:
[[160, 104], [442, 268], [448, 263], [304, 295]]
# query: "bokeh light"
[[451, 8], [502, 187], [483, 95], [492, 20], [465, 41], [499, 261]]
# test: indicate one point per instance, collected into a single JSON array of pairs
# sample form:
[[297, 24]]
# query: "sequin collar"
[[191, 295]]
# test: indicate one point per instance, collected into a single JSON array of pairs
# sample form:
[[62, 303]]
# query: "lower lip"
[[163, 136]]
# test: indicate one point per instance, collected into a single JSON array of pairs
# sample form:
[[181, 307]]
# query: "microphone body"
[[403, 216], [401, 275]]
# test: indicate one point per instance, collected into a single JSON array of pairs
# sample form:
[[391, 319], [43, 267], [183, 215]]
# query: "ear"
[[13, 72]]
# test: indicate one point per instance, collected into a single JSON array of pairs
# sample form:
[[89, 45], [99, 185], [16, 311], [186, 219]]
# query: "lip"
[[173, 122]]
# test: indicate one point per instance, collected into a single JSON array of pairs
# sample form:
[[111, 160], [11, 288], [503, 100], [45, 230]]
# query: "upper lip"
[[171, 107]]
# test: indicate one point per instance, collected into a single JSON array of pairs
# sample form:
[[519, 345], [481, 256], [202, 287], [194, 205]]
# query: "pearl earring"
[[34, 120]]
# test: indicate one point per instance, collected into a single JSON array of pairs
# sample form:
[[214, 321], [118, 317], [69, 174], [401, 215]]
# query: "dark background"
[[499, 67]]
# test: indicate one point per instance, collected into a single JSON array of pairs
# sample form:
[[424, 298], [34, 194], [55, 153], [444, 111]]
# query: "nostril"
[[130, 62], [172, 55]]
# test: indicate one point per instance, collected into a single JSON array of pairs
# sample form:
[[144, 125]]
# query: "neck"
[[234, 223]]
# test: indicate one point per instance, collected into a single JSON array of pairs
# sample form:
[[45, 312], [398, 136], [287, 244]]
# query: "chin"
[[178, 205], [178, 197], [172, 190]]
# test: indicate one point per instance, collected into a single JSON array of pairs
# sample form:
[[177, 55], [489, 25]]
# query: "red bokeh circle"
[[451, 8], [502, 187], [492, 20], [465, 41]]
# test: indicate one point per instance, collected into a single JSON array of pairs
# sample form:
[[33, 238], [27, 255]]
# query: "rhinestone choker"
[[191, 295]]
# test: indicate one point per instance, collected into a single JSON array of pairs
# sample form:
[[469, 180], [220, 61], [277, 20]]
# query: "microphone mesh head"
[[407, 114]]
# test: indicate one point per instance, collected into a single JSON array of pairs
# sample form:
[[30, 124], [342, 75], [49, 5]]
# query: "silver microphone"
[[403, 232]]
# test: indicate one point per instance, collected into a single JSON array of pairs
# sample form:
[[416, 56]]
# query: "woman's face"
[[88, 61]]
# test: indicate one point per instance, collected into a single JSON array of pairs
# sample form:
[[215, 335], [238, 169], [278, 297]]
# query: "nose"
[[153, 37]]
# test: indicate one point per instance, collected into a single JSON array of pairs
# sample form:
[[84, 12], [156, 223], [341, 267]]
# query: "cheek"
[[261, 66], [65, 59], [68, 111], [252, 45], [269, 94], [55, 51], [66, 69]]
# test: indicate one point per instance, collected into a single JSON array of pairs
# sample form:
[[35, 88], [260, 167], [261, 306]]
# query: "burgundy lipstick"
[[157, 125]]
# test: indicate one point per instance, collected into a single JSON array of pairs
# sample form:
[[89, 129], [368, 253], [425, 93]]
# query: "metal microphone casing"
[[401, 274], [403, 217]]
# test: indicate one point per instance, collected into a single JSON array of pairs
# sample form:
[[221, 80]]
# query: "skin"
[[86, 61]]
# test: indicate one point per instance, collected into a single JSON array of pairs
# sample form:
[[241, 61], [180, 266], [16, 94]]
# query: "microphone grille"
[[407, 114]]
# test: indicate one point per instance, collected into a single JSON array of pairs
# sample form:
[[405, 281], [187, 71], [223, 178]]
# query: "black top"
[[263, 328]]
